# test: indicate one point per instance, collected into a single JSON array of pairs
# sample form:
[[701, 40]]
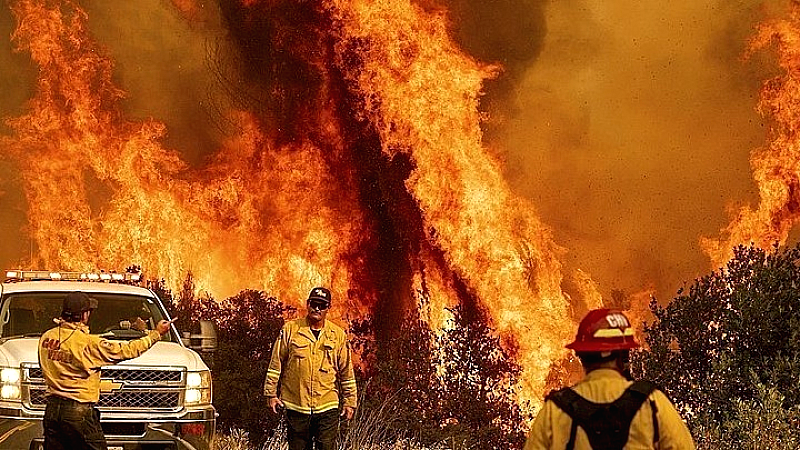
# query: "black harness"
[[606, 424]]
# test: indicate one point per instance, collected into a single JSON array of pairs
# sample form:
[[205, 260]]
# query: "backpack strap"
[[634, 396], [568, 401], [656, 436], [573, 431], [584, 413], [645, 388]]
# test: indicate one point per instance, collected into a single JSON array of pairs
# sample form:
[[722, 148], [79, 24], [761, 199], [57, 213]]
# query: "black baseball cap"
[[76, 303], [320, 293]]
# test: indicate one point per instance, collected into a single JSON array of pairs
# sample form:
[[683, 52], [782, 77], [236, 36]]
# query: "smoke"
[[16, 83], [510, 33], [161, 55], [632, 131]]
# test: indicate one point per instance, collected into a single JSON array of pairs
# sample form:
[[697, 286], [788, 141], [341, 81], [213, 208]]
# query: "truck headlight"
[[198, 388], [10, 383]]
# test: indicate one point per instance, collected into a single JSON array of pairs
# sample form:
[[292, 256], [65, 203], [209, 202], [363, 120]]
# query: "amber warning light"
[[37, 275]]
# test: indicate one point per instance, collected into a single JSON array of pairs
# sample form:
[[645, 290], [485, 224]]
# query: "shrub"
[[248, 324], [455, 386], [726, 351]]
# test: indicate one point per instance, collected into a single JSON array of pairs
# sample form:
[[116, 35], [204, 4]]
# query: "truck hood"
[[24, 350]]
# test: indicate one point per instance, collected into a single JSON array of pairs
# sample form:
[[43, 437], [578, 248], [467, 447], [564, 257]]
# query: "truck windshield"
[[118, 316]]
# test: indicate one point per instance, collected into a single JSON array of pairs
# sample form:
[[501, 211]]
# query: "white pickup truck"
[[158, 401]]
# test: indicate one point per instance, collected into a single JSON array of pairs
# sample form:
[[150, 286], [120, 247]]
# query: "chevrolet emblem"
[[109, 386]]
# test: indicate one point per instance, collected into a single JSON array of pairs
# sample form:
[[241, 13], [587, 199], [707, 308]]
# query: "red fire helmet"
[[604, 330]]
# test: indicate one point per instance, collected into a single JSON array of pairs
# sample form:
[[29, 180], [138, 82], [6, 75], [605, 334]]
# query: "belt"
[[59, 399]]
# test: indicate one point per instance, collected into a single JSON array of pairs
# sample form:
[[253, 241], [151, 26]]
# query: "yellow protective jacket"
[[307, 369], [551, 428], [71, 359]]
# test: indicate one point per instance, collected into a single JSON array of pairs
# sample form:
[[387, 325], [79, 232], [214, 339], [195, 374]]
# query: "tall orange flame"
[[421, 93], [776, 167], [103, 192]]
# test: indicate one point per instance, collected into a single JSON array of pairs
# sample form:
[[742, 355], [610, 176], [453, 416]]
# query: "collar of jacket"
[[73, 325], [305, 330], [602, 373]]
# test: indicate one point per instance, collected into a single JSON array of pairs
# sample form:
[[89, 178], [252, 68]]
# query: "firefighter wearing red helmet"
[[606, 410]]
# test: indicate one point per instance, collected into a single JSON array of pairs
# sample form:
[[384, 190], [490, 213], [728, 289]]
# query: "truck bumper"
[[193, 430]]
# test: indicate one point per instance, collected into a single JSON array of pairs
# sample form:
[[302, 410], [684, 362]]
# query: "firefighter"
[[309, 358], [606, 410], [71, 359]]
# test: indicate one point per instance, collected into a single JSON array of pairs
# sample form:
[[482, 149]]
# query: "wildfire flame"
[[428, 107], [776, 167], [390, 192], [255, 206]]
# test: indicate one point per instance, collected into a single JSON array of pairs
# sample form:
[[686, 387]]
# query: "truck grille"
[[135, 388], [122, 399], [119, 374]]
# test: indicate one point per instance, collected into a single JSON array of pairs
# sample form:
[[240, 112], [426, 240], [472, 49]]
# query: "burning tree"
[[353, 157], [458, 384], [479, 380]]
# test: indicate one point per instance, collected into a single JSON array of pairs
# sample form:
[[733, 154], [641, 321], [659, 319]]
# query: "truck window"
[[118, 316]]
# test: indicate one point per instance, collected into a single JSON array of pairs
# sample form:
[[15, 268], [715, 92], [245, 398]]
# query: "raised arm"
[[102, 351]]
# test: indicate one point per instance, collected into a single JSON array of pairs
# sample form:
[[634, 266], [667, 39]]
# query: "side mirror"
[[206, 340]]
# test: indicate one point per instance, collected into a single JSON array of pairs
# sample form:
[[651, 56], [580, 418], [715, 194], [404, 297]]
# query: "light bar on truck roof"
[[108, 277]]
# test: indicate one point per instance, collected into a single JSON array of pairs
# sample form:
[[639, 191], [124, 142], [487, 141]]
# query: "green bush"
[[763, 423], [727, 351]]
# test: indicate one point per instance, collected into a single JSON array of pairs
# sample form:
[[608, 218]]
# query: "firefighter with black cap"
[[71, 359], [606, 410], [309, 359]]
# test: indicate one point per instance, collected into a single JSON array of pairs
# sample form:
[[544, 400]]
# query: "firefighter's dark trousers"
[[312, 431], [69, 425]]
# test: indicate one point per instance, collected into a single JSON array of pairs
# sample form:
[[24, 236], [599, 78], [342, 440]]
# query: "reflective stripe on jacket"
[[307, 368], [551, 428], [71, 359]]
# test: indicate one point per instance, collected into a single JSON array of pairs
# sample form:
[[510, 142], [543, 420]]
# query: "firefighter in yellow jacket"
[[71, 359], [309, 357], [606, 410]]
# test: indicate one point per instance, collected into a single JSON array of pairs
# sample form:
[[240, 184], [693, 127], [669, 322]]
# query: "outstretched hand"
[[163, 326]]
